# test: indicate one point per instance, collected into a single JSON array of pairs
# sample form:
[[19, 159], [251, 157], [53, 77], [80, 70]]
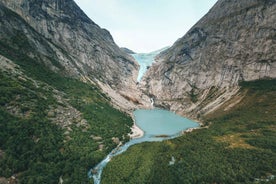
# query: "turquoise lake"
[[158, 125], [157, 122]]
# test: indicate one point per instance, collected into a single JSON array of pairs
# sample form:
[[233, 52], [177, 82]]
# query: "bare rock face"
[[235, 41], [61, 36]]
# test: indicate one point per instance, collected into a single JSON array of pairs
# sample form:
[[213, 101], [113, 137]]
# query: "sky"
[[145, 25]]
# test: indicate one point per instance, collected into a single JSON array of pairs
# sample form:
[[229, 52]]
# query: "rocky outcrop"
[[128, 51], [58, 34], [64, 115], [235, 41]]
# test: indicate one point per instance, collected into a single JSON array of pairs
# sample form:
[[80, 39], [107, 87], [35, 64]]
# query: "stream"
[[157, 124]]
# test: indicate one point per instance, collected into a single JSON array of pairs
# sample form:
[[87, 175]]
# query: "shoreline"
[[136, 132]]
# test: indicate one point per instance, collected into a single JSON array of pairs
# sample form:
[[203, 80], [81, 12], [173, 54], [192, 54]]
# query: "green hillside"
[[52, 126], [238, 147]]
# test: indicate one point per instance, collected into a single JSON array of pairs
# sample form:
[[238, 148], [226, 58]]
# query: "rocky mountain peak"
[[233, 42], [66, 40]]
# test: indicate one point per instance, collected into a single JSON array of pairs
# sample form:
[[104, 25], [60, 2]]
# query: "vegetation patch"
[[35, 147], [235, 141], [238, 147]]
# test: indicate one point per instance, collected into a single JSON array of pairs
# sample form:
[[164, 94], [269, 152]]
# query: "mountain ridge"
[[53, 107], [63, 80], [233, 42], [79, 46]]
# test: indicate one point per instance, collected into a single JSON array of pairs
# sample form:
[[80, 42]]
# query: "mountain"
[[58, 34], [128, 51], [222, 73], [233, 42], [57, 68], [66, 88]]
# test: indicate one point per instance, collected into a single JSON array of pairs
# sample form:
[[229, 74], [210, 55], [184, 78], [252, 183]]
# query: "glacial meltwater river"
[[158, 125]]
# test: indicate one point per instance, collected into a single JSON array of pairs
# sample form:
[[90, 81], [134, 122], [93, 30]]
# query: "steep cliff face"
[[235, 41], [53, 115], [62, 37]]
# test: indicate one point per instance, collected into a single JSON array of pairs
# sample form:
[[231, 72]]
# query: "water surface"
[[158, 125], [161, 122]]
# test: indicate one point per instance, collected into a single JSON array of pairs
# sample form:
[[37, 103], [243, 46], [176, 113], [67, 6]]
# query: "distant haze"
[[146, 25]]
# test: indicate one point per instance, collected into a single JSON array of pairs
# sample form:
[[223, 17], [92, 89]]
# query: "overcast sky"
[[145, 25]]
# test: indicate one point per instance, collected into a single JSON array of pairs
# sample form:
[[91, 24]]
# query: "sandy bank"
[[136, 132]]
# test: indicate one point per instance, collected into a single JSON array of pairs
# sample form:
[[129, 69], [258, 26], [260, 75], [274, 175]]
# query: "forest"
[[36, 149], [237, 147]]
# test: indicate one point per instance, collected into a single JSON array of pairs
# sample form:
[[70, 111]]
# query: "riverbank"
[[136, 132], [158, 125]]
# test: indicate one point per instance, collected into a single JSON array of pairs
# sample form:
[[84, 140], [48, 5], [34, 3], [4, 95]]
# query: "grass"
[[237, 140]]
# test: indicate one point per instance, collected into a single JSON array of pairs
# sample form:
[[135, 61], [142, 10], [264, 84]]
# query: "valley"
[[237, 147], [157, 125], [69, 97]]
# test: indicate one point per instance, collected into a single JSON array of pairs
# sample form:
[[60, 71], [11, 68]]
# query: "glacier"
[[145, 60]]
